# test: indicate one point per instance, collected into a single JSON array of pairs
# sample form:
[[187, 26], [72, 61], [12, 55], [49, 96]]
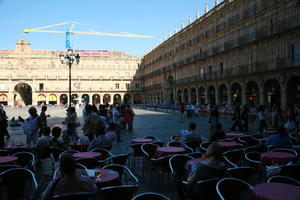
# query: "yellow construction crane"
[[70, 31]]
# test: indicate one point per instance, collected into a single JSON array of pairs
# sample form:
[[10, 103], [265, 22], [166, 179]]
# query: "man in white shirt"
[[190, 135], [116, 120]]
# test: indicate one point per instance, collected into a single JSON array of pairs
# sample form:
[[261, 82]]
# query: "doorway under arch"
[[25, 94], [127, 98], [272, 93], [85, 98], [137, 99], [96, 99], [52, 98], [117, 99], [236, 93], [41, 99], [63, 99], [106, 99], [293, 90], [3, 99]]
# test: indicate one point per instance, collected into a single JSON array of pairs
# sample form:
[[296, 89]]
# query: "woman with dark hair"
[[69, 182], [128, 118], [217, 133]]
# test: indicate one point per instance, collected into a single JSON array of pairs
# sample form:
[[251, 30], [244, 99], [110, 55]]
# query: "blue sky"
[[145, 17]]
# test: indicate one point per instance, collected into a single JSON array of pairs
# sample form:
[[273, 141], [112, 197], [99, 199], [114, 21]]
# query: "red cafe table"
[[108, 178], [165, 151], [276, 191], [271, 132], [229, 145], [8, 160], [276, 158], [232, 135], [97, 155], [141, 140]]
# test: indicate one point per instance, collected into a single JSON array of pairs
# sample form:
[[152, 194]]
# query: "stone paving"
[[146, 122]]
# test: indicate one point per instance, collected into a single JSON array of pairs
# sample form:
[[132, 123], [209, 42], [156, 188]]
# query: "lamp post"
[[69, 59]]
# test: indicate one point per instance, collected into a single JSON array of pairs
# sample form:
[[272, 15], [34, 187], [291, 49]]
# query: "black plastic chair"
[[195, 154], [71, 151], [248, 140], [78, 166], [292, 171], [55, 151], [6, 167], [175, 144], [119, 159], [154, 138], [247, 174], [25, 159], [76, 196], [150, 196], [161, 166], [159, 143], [193, 144], [203, 146], [136, 153], [149, 151], [233, 189], [286, 150], [105, 153], [258, 148], [21, 149], [253, 159], [19, 183], [235, 156], [283, 179], [124, 192]]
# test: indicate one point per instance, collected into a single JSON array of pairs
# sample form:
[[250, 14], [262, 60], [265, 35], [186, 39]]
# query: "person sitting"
[[56, 140], [190, 135], [69, 182], [43, 144], [281, 138], [103, 140], [212, 167], [13, 122], [217, 133]]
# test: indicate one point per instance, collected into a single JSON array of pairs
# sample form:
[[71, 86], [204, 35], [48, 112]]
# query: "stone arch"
[[24, 94], [169, 85], [63, 99], [52, 99], [179, 96], [272, 92], [41, 99], [127, 98], [211, 94], [201, 95], [85, 98], [236, 93], [193, 96], [223, 94], [117, 99], [3, 99], [74, 99], [106, 99], [137, 99], [293, 90], [185, 96], [96, 99], [252, 93]]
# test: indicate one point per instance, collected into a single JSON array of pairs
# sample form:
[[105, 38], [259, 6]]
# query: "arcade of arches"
[[253, 92], [24, 95]]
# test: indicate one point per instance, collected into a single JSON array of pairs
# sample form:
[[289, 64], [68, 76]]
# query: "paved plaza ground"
[[146, 122]]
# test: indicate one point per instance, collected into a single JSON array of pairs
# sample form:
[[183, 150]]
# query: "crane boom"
[[70, 31]]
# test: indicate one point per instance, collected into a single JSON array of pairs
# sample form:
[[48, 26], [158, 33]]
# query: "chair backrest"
[[105, 153], [206, 189], [150, 196], [192, 144], [76, 196], [159, 143], [136, 149], [228, 163], [203, 146], [248, 140], [292, 171], [258, 148], [78, 166], [4, 153], [253, 159], [283, 179], [124, 192], [235, 156], [25, 159], [6, 167], [90, 163], [71, 151], [285, 150], [154, 138], [18, 182], [55, 151], [233, 189], [177, 165], [121, 169], [243, 173], [119, 159], [149, 150], [175, 144], [20, 149]]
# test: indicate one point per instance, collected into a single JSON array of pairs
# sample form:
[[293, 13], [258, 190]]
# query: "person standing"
[[261, 118], [128, 118], [4, 117], [72, 123], [91, 123], [43, 119], [237, 119], [116, 121], [181, 109], [33, 124]]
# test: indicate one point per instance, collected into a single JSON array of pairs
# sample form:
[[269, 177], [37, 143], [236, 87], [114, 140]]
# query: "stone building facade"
[[241, 51], [29, 76]]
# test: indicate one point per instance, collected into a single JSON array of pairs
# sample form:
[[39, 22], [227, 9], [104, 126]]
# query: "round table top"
[[270, 131], [87, 155], [191, 162], [276, 157], [8, 159], [231, 135], [107, 175], [276, 191], [228, 145], [171, 149], [141, 140]]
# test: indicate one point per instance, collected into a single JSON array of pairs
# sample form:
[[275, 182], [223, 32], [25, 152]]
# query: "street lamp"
[[68, 59]]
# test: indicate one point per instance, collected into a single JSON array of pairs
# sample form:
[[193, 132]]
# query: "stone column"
[[189, 95]]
